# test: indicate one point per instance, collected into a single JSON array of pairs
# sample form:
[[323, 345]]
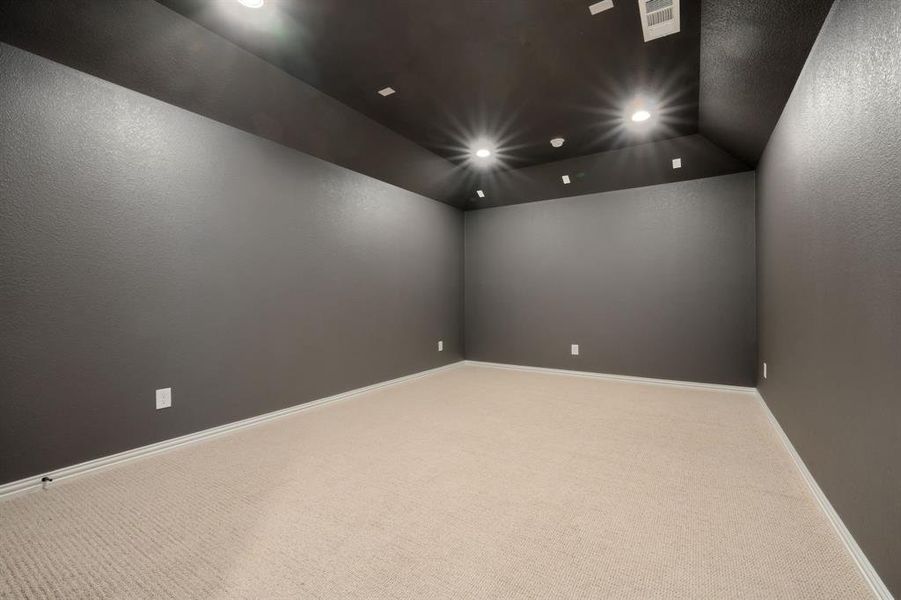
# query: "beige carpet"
[[469, 483]]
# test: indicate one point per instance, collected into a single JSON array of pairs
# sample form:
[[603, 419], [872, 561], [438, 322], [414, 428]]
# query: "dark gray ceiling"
[[524, 71], [144, 46], [751, 56], [520, 71], [638, 165]]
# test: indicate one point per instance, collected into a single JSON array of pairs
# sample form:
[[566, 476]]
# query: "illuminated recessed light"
[[557, 142], [386, 91], [251, 3], [483, 152], [677, 163], [640, 116], [566, 179], [480, 193]]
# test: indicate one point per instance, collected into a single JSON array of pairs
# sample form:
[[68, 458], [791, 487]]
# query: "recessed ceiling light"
[[385, 91], [480, 193], [483, 152], [557, 142], [601, 6], [677, 163], [252, 3], [566, 179], [640, 116]]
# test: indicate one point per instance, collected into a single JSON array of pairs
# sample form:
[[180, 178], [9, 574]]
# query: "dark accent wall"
[[654, 282], [143, 246], [144, 46], [829, 227]]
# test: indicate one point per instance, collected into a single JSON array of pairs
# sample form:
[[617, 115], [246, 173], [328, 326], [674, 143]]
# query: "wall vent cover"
[[659, 18]]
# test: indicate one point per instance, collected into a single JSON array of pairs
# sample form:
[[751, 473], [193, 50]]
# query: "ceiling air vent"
[[659, 18]]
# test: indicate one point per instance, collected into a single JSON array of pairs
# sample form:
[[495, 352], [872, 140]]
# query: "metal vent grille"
[[655, 5], [659, 18]]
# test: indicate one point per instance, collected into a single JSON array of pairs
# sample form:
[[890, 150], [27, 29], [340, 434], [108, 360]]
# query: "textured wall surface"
[[144, 247], [829, 199], [144, 46], [655, 281]]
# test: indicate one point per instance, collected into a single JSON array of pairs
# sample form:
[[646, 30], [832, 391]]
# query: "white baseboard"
[[626, 378], [869, 573], [33, 483]]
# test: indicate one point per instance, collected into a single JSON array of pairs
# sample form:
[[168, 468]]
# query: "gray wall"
[[143, 246], [829, 226], [655, 281]]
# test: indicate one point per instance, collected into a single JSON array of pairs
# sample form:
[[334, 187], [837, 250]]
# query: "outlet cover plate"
[[163, 398]]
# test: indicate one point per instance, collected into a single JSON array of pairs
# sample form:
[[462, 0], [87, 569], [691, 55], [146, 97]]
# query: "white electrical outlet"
[[440, 345], [574, 349], [677, 163], [163, 398], [764, 370]]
